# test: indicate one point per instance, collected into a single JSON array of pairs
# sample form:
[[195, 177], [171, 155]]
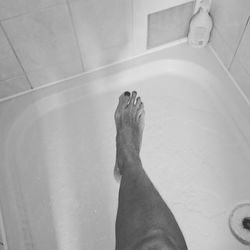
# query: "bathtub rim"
[[23, 102], [205, 58]]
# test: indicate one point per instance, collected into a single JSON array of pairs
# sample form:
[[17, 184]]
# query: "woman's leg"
[[144, 221]]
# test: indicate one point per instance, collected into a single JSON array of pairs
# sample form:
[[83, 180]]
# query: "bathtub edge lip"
[[148, 52]]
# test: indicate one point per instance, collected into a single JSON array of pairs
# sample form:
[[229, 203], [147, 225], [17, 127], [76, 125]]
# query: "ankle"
[[128, 158]]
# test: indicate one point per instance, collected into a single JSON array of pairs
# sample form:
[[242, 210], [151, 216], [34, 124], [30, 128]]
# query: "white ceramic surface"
[[45, 42], [243, 52], [13, 86], [218, 42], [141, 10], [230, 18], [9, 66], [241, 75], [104, 30], [13, 8]]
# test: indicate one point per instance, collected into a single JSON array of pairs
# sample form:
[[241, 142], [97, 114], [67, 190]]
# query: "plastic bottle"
[[200, 26]]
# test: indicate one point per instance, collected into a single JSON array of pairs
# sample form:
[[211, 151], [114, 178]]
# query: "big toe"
[[124, 99]]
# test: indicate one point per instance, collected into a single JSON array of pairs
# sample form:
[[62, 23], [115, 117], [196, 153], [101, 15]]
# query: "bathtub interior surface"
[[61, 169]]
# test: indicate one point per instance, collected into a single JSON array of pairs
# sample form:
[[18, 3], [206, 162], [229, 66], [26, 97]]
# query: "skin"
[[144, 221]]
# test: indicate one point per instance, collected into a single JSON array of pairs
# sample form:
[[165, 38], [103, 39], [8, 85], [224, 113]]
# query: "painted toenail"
[[127, 93], [134, 92]]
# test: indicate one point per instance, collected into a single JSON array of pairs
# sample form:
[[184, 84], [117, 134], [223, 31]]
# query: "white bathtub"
[[57, 152]]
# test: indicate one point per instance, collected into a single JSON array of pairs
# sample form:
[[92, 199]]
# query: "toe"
[[140, 111], [123, 102], [132, 100], [138, 102], [124, 99]]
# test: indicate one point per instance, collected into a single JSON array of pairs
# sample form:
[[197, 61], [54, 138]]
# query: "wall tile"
[[11, 8], [169, 25], [242, 77], [52, 74], [13, 86], [240, 68], [221, 47], [45, 42], [9, 66], [104, 30], [243, 52], [230, 17]]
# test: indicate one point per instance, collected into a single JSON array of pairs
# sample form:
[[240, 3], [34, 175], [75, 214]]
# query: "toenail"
[[127, 93], [134, 92]]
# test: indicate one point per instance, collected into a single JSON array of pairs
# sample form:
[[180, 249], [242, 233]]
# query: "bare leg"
[[144, 221]]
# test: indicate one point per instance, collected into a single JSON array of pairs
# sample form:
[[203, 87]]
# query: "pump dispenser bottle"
[[200, 26]]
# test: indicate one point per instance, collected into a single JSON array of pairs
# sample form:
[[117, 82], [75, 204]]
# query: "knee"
[[155, 240]]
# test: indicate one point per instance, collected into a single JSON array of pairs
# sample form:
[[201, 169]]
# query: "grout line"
[[75, 33], [230, 76], [221, 38], [15, 54], [237, 86], [238, 45]]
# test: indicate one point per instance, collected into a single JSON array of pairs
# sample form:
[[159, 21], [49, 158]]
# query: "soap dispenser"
[[200, 26]]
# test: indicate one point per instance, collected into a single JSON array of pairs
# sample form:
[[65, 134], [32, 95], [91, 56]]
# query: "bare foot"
[[129, 119]]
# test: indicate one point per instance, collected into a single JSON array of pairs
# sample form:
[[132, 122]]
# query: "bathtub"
[[57, 152]]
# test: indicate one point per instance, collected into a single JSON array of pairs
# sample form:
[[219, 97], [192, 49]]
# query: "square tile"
[[141, 10], [51, 74], [221, 47], [13, 86], [243, 52], [230, 18], [44, 41], [9, 66], [169, 25], [241, 76], [103, 29], [12, 8]]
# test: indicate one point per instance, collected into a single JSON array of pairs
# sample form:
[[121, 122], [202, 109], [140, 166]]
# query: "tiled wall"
[[169, 25], [42, 41], [231, 38]]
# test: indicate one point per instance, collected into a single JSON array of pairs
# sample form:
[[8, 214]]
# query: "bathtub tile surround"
[[12, 77], [141, 10], [169, 25], [54, 39], [13, 86], [240, 68], [12, 8], [9, 66], [242, 77], [48, 40], [230, 38], [45, 44], [243, 52], [221, 47], [230, 19], [104, 30]]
